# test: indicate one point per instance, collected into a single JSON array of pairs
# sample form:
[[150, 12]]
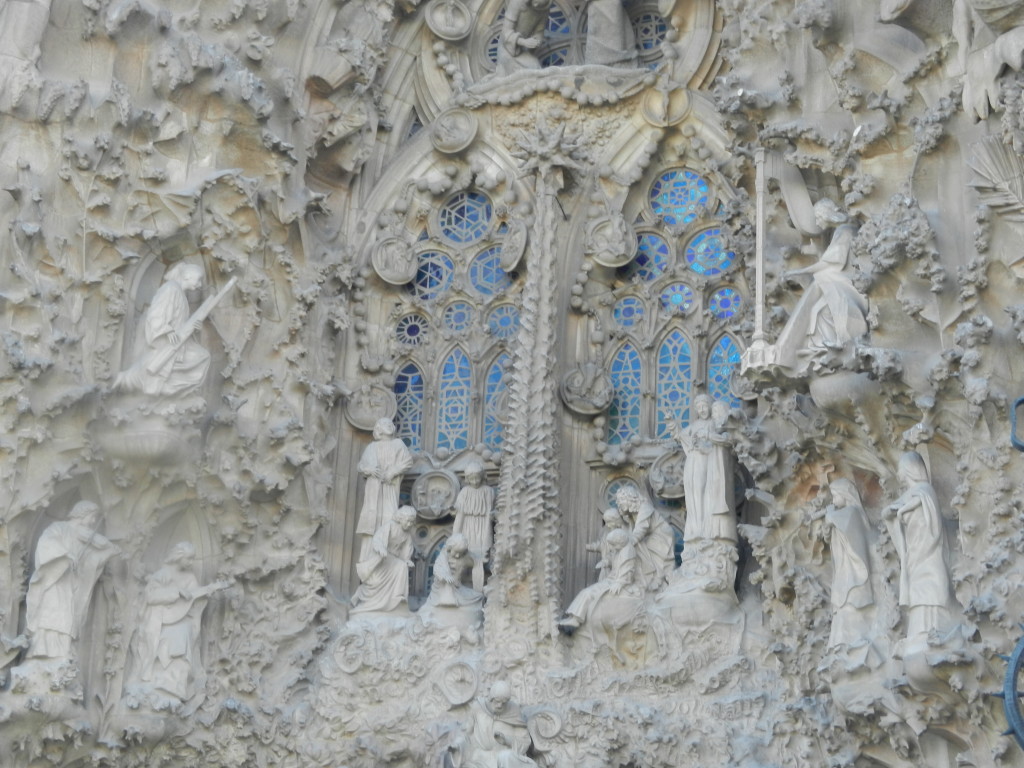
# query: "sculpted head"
[[474, 473], [499, 696], [844, 493], [617, 539], [827, 214], [912, 469], [86, 513], [405, 517], [702, 405], [456, 546], [384, 428], [182, 554], [188, 276], [628, 499], [612, 518]]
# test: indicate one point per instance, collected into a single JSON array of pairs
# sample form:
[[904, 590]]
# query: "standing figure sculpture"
[[707, 476], [173, 364], [70, 556], [610, 37], [473, 509], [522, 31], [917, 532], [832, 314], [383, 463], [384, 573], [851, 570], [651, 537], [167, 647]]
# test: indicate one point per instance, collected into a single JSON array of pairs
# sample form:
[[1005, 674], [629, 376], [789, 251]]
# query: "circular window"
[[486, 274], [651, 259], [465, 217], [458, 316], [677, 298], [433, 275], [503, 321], [706, 253], [628, 311], [677, 196], [412, 330], [725, 303]]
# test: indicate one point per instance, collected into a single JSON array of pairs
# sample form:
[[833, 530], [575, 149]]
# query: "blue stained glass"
[[412, 330], [486, 274], [706, 253], [433, 275], [493, 400], [723, 362], [674, 373], [503, 321], [615, 486], [466, 217], [555, 58], [409, 394], [678, 195], [677, 298], [458, 316], [456, 393], [628, 311], [558, 22], [649, 30], [725, 303], [651, 260], [624, 412], [491, 51]]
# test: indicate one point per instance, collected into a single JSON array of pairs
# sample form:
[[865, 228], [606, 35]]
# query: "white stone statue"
[[497, 735], [384, 573], [474, 507], [173, 364], [613, 602], [383, 463], [917, 532], [651, 537], [990, 40], [167, 647], [612, 519], [522, 30], [609, 34], [707, 476], [69, 558], [831, 314], [851, 569]]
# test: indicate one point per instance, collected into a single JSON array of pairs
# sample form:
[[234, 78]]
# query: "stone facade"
[[474, 384]]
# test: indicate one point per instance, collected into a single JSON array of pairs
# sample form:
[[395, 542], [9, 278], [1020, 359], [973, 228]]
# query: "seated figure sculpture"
[[652, 538], [522, 30], [497, 736], [384, 572], [451, 603]]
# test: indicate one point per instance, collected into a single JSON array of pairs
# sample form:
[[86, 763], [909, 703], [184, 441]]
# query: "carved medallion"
[[458, 683], [454, 131], [369, 403], [514, 245], [587, 389], [449, 19], [663, 108], [610, 241], [394, 261], [666, 474], [434, 492]]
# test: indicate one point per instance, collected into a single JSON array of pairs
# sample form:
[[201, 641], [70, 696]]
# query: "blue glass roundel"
[[433, 275], [412, 330], [486, 274], [628, 311], [706, 253], [458, 316], [725, 303], [466, 217], [651, 260], [503, 321], [677, 297], [677, 196]]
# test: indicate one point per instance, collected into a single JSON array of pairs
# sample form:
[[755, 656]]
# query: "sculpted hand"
[[529, 42]]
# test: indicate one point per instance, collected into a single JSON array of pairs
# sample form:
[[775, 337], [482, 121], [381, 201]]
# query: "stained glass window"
[[677, 196], [494, 397], [628, 311], [649, 29], [725, 303], [723, 361], [412, 330], [433, 275], [558, 22], [486, 274], [674, 374], [456, 393], [677, 298], [409, 394], [624, 412], [706, 254], [503, 322], [458, 316], [465, 217], [555, 58], [651, 260]]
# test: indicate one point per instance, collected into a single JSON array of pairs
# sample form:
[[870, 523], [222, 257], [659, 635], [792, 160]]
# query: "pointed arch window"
[[624, 413], [674, 374], [455, 400], [723, 362], [409, 391], [494, 401]]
